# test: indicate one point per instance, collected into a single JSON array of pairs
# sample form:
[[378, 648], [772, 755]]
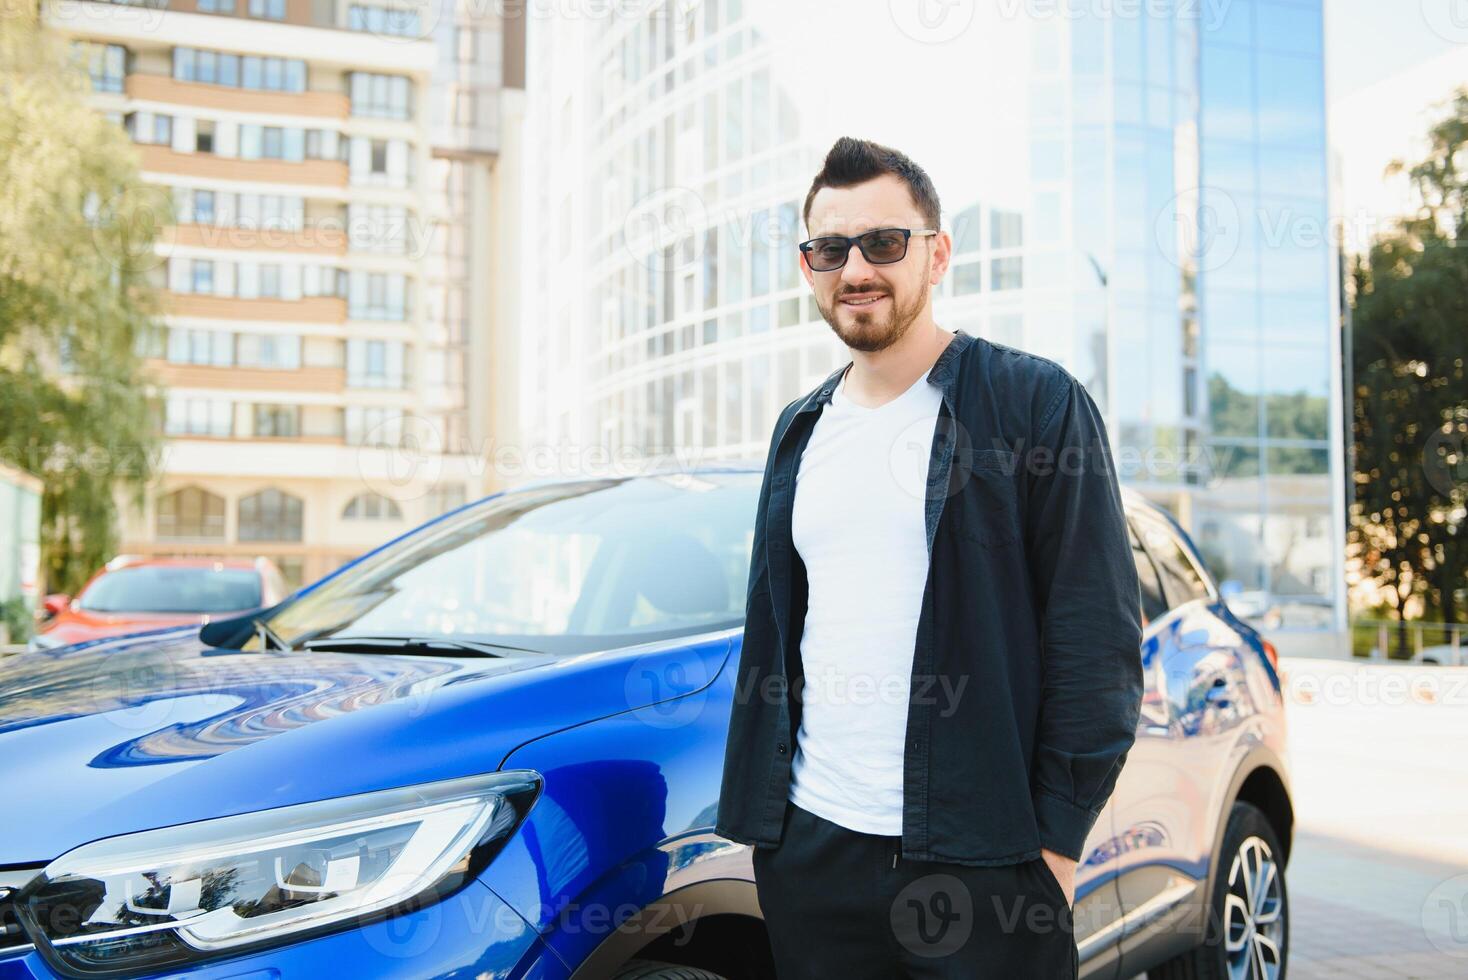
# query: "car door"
[[1154, 803], [1167, 797], [1099, 919]]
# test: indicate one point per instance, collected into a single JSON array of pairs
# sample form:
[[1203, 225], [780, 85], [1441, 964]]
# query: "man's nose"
[[857, 270]]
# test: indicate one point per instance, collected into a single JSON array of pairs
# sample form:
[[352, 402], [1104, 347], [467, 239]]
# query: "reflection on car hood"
[[81, 625], [148, 731]]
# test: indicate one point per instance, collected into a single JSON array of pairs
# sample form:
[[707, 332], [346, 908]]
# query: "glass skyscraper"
[[1137, 191]]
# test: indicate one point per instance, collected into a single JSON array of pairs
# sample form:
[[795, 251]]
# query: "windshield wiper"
[[411, 644]]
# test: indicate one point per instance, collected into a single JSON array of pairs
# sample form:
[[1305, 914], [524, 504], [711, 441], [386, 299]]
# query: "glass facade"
[[1135, 191]]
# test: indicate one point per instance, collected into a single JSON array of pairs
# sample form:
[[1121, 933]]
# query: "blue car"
[[492, 748]]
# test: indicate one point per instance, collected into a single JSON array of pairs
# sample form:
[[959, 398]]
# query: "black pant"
[[837, 907]]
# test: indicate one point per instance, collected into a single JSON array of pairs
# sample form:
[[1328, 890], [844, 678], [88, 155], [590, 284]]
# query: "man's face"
[[872, 306]]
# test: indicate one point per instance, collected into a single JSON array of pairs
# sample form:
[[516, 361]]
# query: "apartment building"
[[329, 267]]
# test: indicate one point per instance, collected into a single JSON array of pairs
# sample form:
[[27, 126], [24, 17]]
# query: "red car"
[[133, 594]]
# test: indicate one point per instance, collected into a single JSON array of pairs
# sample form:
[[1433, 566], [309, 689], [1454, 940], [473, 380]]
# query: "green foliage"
[[1409, 349], [76, 299], [16, 619], [1287, 415]]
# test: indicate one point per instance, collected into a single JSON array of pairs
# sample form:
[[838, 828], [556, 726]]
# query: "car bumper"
[[473, 933]]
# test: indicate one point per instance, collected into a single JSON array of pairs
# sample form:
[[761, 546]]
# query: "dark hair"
[[852, 161]]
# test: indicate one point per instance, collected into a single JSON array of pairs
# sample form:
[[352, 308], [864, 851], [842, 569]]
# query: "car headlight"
[[223, 886]]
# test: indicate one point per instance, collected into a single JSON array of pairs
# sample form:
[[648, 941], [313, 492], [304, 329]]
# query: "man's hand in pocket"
[[1064, 870]]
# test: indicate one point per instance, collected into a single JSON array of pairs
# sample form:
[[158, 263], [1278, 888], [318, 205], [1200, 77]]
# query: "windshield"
[[566, 568], [169, 589]]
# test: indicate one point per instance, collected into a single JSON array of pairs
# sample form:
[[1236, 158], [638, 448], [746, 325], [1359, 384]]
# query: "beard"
[[872, 332]]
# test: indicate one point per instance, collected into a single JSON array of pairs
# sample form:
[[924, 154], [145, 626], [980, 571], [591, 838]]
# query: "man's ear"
[[810, 279], [942, 254]]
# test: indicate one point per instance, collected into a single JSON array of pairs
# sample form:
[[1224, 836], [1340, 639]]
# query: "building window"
[[212, 347], [270, 515], [239, 71], [201, 276], [324, 144], [190, 512], [442, 498], [204, 136], [377, 296], [272, 143], [967, 227], [272, 211], [968, 277], [198, 417], [268, 9], [215, 6], [376, 364], [374, 426], [202, 205], [1007, 273], [278, 352], [378, 228], [1006, 229], [395, 21], [106, 65], [372, 507], [464, 108], [277, 421], [149, 127], [383, 96]]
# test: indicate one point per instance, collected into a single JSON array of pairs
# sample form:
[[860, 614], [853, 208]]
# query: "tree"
[[1410, 345], [76, 300]]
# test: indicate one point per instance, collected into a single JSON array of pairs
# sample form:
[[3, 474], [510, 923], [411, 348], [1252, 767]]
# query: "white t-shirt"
[[859, 527]]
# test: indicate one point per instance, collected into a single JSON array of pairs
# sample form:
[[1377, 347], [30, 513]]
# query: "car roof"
[[188, 561], [1130, 498]]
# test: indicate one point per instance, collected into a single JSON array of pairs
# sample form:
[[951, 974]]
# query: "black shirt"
[[1031, 613]]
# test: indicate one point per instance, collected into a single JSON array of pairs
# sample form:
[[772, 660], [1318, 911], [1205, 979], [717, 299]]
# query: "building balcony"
[[310, 309], [310, 240], [315, 173], [312, 379], [162, 88], [148, 27]]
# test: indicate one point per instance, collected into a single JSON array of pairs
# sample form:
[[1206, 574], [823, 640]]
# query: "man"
[[941, 675]]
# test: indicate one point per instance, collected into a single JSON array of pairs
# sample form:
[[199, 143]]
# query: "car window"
[[566, 568], [1153, 602], [172, 589], [1181, 580]]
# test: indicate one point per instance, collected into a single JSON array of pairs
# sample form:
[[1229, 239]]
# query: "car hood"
[[80, 625], [159, 729]]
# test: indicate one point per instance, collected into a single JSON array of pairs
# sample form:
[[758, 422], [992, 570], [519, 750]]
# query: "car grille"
[[11, 935]]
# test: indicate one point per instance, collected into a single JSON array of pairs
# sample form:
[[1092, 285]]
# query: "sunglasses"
[[880, 246]]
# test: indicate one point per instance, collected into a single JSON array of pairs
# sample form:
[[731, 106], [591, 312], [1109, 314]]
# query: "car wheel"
[[1248, 915], [653, 970]]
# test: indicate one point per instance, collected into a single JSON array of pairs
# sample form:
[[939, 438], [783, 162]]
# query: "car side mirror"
[[56, 603]]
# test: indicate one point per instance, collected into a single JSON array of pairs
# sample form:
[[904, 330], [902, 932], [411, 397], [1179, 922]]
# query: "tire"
[[654, 970], [1249, 842]]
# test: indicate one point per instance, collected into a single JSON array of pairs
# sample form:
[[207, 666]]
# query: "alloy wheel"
[[1254, 913]]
